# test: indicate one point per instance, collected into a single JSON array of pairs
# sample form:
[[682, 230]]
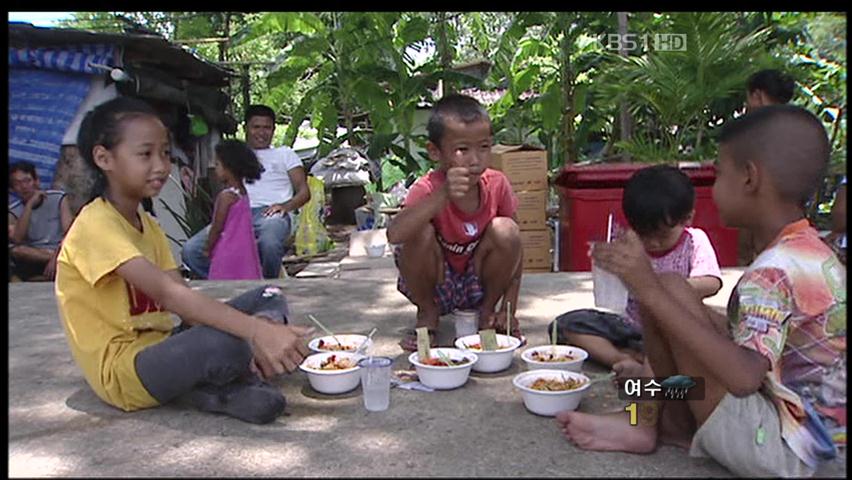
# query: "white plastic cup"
[[375, 382], [610, 292], [467, 322]]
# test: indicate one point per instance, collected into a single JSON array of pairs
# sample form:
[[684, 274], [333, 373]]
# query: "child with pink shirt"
[[659, 204], [230, 244]]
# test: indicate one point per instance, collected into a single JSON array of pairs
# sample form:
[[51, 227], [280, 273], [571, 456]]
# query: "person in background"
[[230, 244], [37, 222], [274, 198], [768, 87]]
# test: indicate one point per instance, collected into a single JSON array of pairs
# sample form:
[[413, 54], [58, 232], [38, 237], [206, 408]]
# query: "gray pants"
[[210, 368]]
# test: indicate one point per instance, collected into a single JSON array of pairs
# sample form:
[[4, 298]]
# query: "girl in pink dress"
[[230, 244]]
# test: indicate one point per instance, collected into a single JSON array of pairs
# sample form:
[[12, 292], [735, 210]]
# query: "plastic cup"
[[375, 382], [610, 292], [467, 322]]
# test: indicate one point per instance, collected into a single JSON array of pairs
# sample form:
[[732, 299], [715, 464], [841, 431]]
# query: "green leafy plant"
[[679, 88], [197, 213]]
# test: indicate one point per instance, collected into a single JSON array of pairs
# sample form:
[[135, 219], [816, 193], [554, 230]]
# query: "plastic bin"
[[588, 194]]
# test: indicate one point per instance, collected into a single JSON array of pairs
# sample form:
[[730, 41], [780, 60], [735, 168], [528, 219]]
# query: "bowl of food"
[[375, 251], [547, 392], [332, 372], [555, 357], [338, 343], [436, 373], [490, 360]]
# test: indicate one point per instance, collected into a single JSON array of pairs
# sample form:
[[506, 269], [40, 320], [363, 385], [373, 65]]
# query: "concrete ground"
[[58, 427]]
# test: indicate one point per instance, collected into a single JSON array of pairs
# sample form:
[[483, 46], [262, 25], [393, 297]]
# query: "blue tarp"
[[70, 58], [42, 103], [46, 86]]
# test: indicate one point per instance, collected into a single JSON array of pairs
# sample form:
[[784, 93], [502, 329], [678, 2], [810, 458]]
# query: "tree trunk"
[[246, 87], [625, 122], [223, 47], [445, 52], [566, 140]]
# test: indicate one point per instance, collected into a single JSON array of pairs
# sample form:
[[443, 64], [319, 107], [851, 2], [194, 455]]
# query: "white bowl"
[[332, 381], [347, 339], [575, 365], [491, 361], [444, 378], [375, 251], [549, 403]]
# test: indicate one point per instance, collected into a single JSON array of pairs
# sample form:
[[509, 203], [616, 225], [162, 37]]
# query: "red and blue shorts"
[[462, 291]]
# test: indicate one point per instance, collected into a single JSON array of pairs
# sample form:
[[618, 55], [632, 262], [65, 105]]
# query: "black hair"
[[789, 141], [23, 166], [776, 84], [462, 107], [104, 126], [239, 159], [259, 111], [657, 196]]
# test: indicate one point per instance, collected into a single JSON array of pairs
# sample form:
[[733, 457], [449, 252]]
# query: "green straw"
[[508, 319], [553, 333]]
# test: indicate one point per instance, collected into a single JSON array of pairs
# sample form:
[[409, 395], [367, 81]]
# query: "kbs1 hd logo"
[[630, 42]]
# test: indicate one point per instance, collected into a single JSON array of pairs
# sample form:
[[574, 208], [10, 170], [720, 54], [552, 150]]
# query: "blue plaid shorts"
[[462, 291]]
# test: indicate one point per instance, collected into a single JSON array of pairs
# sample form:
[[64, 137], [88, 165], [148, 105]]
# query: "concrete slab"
[[58, 427]]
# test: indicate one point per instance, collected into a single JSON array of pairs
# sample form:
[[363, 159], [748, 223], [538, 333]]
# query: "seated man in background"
[[281, 190], [37, 222]]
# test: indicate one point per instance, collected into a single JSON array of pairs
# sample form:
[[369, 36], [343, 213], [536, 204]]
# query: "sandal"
[[409, 341]]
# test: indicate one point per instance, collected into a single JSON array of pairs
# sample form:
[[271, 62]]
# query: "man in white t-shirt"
[[281, 190]]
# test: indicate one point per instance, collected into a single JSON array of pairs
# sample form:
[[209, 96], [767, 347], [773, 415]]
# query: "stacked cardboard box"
[[526, 168]]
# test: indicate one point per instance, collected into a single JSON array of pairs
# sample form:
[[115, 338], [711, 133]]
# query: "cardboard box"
[[536, 245], [532, 209], [524, 165]]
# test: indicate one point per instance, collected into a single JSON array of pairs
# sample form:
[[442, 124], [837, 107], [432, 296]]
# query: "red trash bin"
[[588, 194]]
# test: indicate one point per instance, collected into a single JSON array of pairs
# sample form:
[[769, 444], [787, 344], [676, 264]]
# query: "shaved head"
[[788, 141]]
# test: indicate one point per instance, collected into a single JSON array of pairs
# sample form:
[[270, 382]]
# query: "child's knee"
[[505, 232], [222, 345], [425, 239]]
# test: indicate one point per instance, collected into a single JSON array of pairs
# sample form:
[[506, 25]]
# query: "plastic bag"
[[311, 236]]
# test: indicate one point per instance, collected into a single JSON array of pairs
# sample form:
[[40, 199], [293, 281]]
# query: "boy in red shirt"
[[460, 246]]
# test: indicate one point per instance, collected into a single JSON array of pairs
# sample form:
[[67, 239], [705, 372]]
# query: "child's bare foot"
[[497, 321], [628, 368], [610, 432], [425, 318]]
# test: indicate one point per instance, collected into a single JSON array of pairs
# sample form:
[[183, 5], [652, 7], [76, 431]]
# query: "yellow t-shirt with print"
[[107, 321]]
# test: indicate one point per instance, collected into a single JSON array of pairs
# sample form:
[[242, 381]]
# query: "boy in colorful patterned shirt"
[[460, 246], [775, 390]]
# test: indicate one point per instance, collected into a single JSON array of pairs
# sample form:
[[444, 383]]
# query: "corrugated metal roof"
[[140, 50]]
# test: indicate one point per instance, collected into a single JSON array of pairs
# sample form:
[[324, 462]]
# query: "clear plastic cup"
[[375, 382], [466, 321], [610, 292]]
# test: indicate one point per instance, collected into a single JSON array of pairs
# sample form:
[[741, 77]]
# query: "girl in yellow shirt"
[[117, 284]]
